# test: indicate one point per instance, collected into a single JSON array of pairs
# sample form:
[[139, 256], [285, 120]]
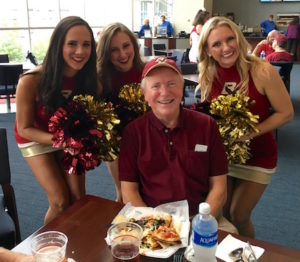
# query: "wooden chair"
[[9, 77], [9, 221]]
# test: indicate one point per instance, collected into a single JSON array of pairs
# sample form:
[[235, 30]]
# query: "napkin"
[[230, 243]]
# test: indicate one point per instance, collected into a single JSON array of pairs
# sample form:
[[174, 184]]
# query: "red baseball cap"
[[161, 61], [281, 38]]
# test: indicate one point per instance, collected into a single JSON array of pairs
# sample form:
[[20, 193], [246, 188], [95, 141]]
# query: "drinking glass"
[[125, 239], [49, 246]]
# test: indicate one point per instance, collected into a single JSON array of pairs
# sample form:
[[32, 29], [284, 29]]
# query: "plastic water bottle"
[[204, 235], [262, 55]]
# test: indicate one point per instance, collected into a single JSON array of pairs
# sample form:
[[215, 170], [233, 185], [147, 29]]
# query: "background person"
[[266, 44], [199, 20], [293, 35], [172, 153], [69, 68], [223, 61], [145, 26], [268, 25], [279, 54], [118, 63], [166, 25]]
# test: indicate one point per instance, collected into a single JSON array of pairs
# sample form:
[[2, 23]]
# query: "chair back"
[[4, 58], [189, 68], [159, 47], [285, 69], [9, 74], [5, 181], [186, 55]]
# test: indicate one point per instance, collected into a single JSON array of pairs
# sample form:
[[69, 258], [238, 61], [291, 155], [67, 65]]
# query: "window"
[[151, 9], [28, 24]]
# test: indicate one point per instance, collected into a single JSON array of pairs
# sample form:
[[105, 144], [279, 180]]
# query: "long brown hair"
[[52, 67], [104, 65]]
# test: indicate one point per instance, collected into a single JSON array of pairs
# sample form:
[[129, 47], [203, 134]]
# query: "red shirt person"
[[171, 153], [280, 54], [266, 44]]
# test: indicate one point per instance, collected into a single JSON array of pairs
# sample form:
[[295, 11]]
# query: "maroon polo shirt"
[[265, 47], [172, 165]]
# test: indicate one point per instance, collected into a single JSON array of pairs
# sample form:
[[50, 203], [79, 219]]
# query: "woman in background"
[[118, 63], [199, 20], [69, 68], [293, 35], [223, 64], [145, 26]]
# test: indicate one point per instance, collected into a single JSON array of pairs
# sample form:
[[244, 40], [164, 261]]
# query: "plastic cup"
[[49, 246], [125, 239]]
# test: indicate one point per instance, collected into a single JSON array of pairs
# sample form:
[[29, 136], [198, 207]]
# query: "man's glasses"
[[245, 254]]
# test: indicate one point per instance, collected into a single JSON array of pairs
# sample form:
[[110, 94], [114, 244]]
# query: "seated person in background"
[[199, 20], [268, 25], [266, 44], [280, 54], [10, 256], [144, 27], [167, 25], [172, 153]]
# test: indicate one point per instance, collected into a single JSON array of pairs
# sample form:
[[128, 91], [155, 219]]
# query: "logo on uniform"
[[229, 88]]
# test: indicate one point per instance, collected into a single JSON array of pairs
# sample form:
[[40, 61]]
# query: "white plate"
[[180, 216]]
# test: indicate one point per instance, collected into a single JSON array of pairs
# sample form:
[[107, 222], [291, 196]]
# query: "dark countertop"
[[253, 35]]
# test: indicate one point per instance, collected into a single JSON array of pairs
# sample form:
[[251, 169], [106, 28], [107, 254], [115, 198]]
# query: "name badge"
[[200, 148]]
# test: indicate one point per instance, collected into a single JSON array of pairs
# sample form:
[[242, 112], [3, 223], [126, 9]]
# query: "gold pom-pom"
[[235, 121], [133, 98], [105, 119]]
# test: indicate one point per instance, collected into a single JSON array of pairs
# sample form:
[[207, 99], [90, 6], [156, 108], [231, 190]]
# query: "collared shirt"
[[172, 165], [167, 24]]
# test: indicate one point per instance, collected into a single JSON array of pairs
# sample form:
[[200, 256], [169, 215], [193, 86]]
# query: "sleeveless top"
[[42, 116], [263, 148], [119, 79]]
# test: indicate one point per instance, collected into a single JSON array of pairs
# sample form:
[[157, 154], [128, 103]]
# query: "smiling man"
[[171, 153]]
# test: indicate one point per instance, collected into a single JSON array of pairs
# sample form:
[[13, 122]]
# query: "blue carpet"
[[276, 217]]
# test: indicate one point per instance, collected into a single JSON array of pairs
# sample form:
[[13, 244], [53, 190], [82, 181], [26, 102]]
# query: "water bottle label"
[[205, 240]]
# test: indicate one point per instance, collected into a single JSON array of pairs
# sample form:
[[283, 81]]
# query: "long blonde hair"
[[207, 65]]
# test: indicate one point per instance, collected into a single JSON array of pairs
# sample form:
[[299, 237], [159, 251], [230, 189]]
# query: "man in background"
[[166, 25], [266, 44], [268, 25]]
